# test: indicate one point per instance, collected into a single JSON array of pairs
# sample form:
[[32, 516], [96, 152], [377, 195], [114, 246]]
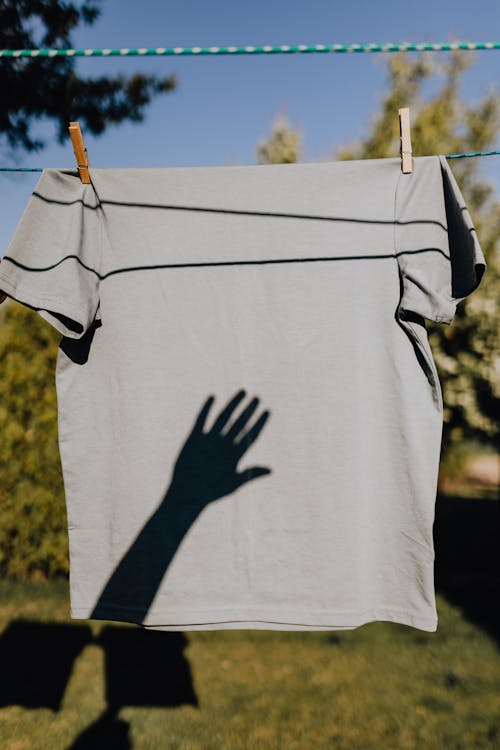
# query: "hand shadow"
[[205, 470]]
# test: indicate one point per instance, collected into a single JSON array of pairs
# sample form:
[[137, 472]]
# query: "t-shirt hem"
[[226, 619]]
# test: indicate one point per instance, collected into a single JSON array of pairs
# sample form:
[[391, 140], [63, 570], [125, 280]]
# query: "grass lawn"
[[89, 684], [93, 684]]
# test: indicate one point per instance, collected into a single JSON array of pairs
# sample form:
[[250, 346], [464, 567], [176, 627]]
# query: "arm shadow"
[[205, 470]]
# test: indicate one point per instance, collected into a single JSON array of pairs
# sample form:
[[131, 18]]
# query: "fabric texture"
[[182, 294]]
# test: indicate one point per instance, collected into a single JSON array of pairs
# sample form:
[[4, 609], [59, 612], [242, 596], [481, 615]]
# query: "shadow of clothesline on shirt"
[[205, 470], [392, 222], [222, 263], [236, 211]]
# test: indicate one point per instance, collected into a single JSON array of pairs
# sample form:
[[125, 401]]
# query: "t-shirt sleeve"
[[52, 262], [438, 253]]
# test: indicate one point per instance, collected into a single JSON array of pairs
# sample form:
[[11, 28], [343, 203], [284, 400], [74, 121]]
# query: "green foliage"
[[33, 528], [33, 88], [467, 353]]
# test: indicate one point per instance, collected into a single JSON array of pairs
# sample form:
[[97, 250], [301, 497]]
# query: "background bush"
[[33, 522]]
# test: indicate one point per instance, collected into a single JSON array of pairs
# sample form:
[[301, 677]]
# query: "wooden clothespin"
[[80, 150], [405, 139]]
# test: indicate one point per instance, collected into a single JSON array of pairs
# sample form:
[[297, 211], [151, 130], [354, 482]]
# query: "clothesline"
[[447, 156], [266, 49], [252, 50]]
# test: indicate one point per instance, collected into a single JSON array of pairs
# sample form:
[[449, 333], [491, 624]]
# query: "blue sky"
[[223, 106]]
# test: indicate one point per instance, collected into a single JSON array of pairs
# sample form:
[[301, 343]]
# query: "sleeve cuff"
[[69, 321]]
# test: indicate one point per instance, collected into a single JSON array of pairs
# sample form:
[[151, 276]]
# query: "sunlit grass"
[[378, 687]]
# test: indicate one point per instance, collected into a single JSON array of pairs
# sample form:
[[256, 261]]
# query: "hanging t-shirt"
[[249, 412]]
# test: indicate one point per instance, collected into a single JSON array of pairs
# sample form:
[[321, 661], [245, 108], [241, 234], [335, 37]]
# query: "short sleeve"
[[52, 262], [438, 253]]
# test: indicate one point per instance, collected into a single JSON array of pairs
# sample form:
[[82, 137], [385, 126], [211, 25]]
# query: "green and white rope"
[[251, 50]]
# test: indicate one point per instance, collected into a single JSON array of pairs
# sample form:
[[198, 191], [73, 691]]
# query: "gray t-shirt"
[[183, 293]]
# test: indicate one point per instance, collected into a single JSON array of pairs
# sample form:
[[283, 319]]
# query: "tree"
[[35, 88], [283, 145], [467, 353]]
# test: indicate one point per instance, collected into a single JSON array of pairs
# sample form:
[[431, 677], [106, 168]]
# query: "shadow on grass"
[[467, 558], [37, 659], [142, 668], [108, 732]]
